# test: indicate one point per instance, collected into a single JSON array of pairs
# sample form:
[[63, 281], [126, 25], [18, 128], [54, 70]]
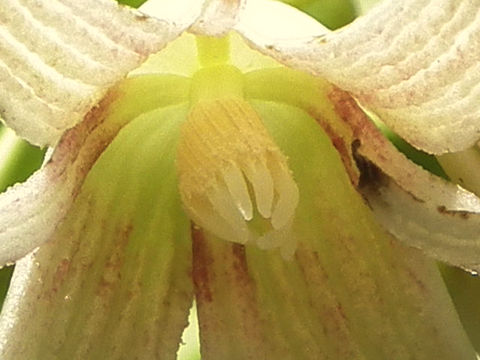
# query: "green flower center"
[[233, 179]]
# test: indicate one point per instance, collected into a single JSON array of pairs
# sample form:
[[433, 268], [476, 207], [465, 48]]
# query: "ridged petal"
[[114, 281], [417, 207], [414, 62], [350, 292], [58, 58], [218, 17], [32, 210]]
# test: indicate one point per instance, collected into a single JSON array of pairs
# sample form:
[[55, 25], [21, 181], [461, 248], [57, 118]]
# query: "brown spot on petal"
[[226, 300], [462, 214], [354, 118], [326, 304], [340, 143], [71, 143], [60, 274], [416, 280], [113, 266], [201, 263], [240, 263], [369, 173]]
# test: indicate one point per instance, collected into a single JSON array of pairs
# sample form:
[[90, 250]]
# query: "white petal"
[[58, 58], [117, 271], [31, 211], [349, 292], [183, 13], [418, 208], [218, 17], [449, 234], [414, 62], [265, 23]]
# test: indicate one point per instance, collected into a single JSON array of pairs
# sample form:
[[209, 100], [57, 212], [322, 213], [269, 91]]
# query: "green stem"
[[216, 82], [213, 51]]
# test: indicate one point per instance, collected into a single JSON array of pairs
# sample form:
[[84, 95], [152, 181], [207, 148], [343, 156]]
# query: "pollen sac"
[[234, 181]]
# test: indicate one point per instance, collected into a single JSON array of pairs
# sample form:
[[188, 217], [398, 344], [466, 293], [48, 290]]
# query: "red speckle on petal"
[[201, 266]]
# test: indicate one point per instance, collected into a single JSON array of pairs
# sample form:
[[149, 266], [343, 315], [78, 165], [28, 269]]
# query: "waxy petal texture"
[[414, 62], [338, 297], [218, 17], [32, 210], [58, 59], [114, 281], [417, 207]]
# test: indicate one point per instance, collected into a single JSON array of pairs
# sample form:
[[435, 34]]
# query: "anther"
[[234, 181]]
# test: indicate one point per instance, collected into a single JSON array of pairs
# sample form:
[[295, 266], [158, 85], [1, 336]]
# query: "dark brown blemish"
[[370, 174], [347, 109], [340, 145], [202, 261], [462, 214], [354, 118], [239, 265], [420, 284]]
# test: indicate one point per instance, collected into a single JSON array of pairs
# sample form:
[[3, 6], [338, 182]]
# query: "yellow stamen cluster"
[[234, 181]]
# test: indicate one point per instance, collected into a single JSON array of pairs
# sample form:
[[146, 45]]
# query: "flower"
[[118, 263]]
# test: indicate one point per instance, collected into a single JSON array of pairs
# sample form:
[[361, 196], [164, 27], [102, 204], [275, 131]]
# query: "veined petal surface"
[[114, 281], [351, 291], [58, 58], [32, 210], [413, 62], [414, 205], [417, 207]]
